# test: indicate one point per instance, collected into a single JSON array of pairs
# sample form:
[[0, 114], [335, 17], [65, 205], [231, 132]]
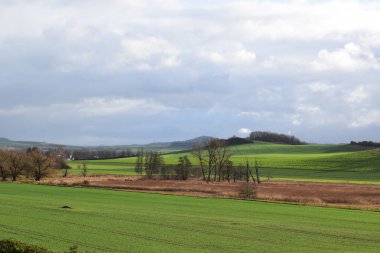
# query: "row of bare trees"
[[152, 164], [33, 163], [215, 163]]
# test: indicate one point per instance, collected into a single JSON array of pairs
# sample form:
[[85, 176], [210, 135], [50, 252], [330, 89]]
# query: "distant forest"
[[366, 143], [275, 138]]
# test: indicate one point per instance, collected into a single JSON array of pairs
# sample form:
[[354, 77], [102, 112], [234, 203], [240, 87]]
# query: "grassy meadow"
[[117, 221], [342, 163]]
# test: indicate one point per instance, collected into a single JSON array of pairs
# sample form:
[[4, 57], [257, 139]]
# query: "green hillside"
[[116, 221], [348, 163]]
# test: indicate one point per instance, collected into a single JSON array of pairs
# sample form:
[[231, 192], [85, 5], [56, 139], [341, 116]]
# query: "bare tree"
[[3, 167], [257, 167], [84, 169], [198, 152], [15, 161], [139, 161], [153, 163], [66, 171], [249, 173], [213, 157], [183, 167], [222, 157], [229, 169], [40, 163]]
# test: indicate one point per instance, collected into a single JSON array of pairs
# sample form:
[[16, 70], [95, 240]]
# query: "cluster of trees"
[[366, 143], [234, 140], [33, 163], [215, 163], [214, 159], [275, 137], [152, 164], [91, 154]]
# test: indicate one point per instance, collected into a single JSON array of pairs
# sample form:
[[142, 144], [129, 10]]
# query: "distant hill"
[[174, 145], [162, 146], [10, 144]]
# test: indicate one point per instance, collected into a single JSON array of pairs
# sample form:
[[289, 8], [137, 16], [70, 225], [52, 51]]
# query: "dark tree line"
[[234, 140], [275, 138], [92, 154], [366, 143], [152, 164]]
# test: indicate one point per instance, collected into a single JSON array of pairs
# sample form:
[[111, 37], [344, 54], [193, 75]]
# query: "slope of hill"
[[178, 145], [305, 162], [6, 143], [161, 146]]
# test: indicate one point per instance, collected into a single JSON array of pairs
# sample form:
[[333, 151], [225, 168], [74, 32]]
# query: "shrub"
[[85, 183], [73, 249], [248, 190], [12, 246]]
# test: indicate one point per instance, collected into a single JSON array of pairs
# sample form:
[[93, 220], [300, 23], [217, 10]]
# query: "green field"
[[116, 221], [343, 163]]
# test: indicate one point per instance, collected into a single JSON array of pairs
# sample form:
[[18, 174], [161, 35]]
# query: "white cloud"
[[300, 20], [244, 131], [146, 53], [251, 114], [368, 118], [256, 114], [308, 114], [146, 47], [320, 87], [95, 107], [240, 57], [351, 57], [170, 61], [358, 95], [88, 107]]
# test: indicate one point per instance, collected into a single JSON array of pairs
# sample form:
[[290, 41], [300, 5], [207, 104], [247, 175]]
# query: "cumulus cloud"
[[318, 87], [310, 114], [244, 131], [151, 51], [368, 118], [240, 57], [351, 57], [358, 95], [301, 20]]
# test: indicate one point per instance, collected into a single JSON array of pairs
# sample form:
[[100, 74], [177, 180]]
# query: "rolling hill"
[[348, 163]]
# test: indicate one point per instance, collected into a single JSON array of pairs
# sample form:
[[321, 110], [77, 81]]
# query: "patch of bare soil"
[[359, 196]]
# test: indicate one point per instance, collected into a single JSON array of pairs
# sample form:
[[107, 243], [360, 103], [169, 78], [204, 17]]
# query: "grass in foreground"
[[115, 221]]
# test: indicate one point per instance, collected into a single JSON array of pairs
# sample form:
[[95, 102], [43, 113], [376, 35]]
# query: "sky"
[[124, 71]]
